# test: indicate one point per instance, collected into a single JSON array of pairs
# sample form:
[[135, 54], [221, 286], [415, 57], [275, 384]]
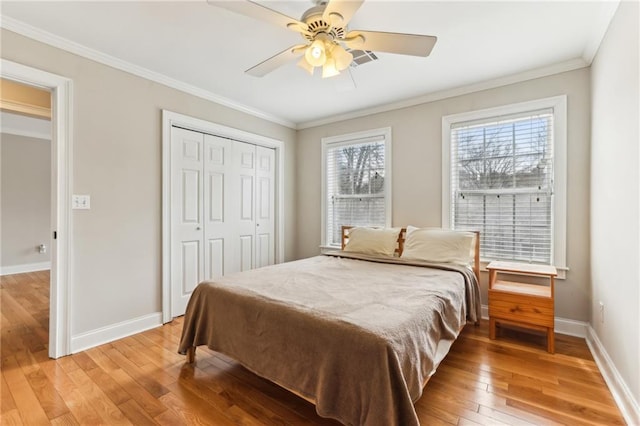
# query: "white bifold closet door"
[[222, 210]]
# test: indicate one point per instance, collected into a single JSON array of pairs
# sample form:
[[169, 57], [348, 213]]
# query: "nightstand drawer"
[[521, 308]]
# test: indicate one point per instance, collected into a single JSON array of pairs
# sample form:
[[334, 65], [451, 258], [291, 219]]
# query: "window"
[[505, 176], [356, 182]]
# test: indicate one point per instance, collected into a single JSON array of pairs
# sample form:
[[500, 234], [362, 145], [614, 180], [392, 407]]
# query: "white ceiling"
[[206, 49]]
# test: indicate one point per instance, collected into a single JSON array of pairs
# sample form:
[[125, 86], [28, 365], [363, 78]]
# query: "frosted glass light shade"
[[329, 68], [342, 57], [315, 54]]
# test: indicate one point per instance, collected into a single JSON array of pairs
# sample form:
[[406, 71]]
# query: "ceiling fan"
[[324, 30]]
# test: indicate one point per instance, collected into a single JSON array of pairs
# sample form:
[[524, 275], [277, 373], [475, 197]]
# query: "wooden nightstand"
[[525, 305]]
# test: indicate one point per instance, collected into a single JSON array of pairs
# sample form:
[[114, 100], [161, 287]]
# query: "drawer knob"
[[516, 309]]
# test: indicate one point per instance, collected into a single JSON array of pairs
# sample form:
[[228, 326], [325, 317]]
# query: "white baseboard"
[[113, 332], [562, 325], [27, 267], [621, 394]]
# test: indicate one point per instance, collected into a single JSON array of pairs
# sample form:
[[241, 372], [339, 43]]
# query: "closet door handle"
[[197, 228]]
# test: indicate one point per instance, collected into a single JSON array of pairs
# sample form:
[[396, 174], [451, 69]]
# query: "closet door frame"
[[170, 119]]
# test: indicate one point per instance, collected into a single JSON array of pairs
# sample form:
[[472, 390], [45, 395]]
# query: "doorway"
[[60, 228]]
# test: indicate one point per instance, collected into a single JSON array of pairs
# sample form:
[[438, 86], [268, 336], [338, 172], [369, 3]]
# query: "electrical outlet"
[[601, 312]]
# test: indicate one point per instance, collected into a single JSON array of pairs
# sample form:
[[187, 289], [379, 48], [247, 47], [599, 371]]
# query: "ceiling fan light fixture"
[[316, 54], [329, 68], [342, 57]]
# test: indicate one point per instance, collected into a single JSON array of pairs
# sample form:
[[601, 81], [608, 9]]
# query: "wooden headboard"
[[402, 236]]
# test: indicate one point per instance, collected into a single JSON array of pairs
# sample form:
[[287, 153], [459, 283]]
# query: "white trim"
[[559, 206], [40, 35], [565, 326], [26, 133], [561, 67], [24, 268], [61, 173], [621, 393], [332, 141], [102, 335], [170, 119]]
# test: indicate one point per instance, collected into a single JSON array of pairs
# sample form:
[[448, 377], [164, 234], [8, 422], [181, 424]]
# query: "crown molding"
[[40, 35], [558, 68]]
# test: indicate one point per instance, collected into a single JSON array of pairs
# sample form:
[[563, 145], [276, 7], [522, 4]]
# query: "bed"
[[355, 333]]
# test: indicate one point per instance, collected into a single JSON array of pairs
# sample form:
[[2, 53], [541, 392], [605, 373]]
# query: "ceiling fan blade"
[[276, 61], [262, 13], [340, 12], [404, 44]]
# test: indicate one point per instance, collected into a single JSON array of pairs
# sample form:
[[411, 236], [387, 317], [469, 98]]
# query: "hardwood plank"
[[192, 410], [152, 386], [10, 418], [246, 395], [135, 413], [478, 418], [6, 399], [216, 402], [148, 402], [27, 403], [109, 386], [82, 412], [65, 420], [50, 401], [94, 396]]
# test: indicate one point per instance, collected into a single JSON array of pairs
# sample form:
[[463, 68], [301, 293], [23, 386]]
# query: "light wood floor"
[[142, 380]]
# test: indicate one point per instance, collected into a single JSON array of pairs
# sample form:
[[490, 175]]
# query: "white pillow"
[[439, 246], [378, 241]]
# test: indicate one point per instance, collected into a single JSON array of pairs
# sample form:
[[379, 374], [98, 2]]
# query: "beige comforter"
[[357, 337]]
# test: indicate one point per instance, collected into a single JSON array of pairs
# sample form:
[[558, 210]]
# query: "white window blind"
[[355, 188], [502, 184]]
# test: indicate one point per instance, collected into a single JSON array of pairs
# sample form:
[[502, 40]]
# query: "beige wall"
[[26, 199], [417, 170], [615, 198], [117, 145]]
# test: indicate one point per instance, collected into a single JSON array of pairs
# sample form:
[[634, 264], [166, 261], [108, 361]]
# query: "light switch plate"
[[81, 202]]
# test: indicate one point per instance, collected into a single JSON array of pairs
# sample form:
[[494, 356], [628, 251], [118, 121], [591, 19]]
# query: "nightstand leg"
[[551, 340], [492, 328]]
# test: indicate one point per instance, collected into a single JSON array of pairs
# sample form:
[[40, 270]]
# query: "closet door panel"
[[187, 213], [244, 155], [219, 209], [265, 206], [246, 252], [191, 260], [215, 262]]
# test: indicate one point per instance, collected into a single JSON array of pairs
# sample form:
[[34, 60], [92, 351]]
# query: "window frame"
[[354, 139], [558, 201]]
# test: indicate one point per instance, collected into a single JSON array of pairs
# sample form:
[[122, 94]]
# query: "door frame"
[[61, 178], [169, 119]]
